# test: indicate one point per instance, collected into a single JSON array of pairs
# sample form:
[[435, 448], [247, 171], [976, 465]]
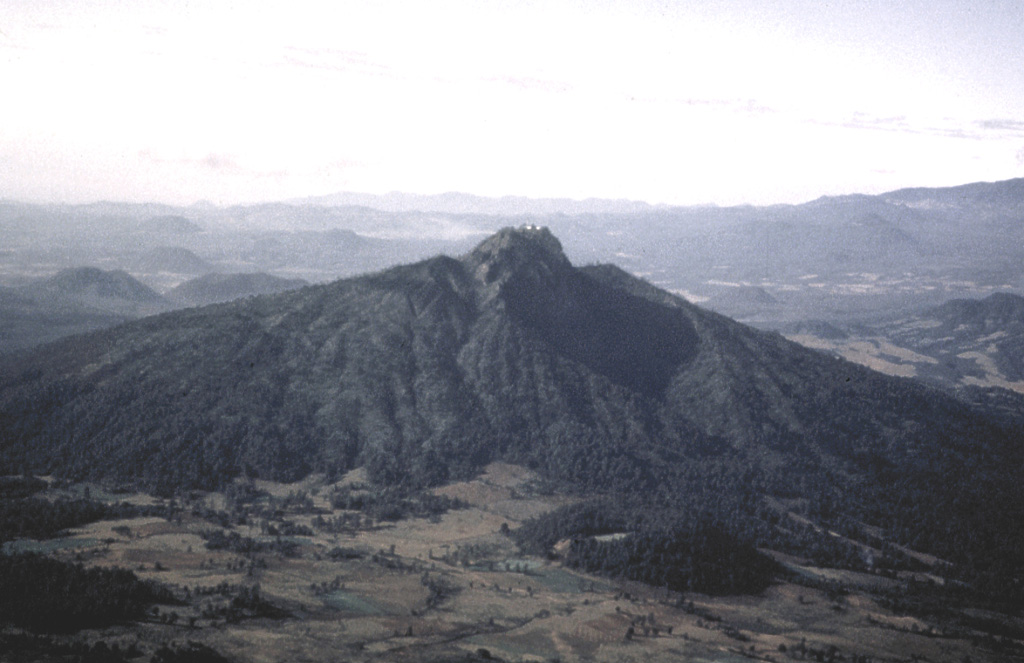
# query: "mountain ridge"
[[601, 382], [495, 321], [1007, 191]]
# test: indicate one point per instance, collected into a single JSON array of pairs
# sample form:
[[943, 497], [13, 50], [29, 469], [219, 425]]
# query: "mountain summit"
[[624, 338], [504, 253]]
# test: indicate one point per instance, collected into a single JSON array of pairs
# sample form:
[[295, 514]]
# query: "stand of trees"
[[48, 595], [701, 558], [39, 518], [683, 551], [393, 503]]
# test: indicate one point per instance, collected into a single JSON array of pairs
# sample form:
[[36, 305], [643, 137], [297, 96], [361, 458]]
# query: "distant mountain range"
[[995, 197], [464, 203], [1004, 198], [601, 382], [838, 259]]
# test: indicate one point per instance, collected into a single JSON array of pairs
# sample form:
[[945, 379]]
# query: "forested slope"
[[600, 381]]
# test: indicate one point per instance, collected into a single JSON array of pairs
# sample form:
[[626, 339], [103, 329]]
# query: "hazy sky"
[[677, 102]]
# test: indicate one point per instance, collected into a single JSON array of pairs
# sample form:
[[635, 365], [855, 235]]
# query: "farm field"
[[278, 572]]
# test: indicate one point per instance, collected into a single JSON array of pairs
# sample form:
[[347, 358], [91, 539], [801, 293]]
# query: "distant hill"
[[992, 198], [742, 300], [174, 259], [601, 382], [93, 286], [982, 339], [73, 301], [997, 312], [170, 223], [964, 342], [215, 288]]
